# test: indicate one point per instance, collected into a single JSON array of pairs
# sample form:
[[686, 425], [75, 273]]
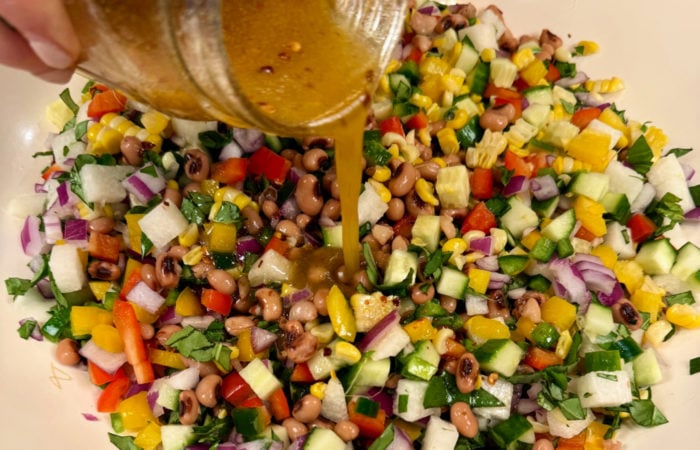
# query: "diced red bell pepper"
[[302, 374], [540, 359], [370, 427], [504, 93], [230, 171], [277, 244], [418, 121], [481, 183], [99, 377], [111, 395], [104, 246], [553, 73], [582, 117], [269, 164], [479, 218], [49, 171], [537, 161], [641, 227], [235, 390], [217, 301], [585, 234], [279, 405], [517, 164], [392, 125], [129, 329], [109, 101]]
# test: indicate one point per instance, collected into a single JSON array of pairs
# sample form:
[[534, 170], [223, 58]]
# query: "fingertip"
[[59, 76]]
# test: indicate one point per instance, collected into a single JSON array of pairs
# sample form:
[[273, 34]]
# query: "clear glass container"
[[287, 67]]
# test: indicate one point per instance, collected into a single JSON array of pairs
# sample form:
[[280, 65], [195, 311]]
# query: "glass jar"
[[284, 67]]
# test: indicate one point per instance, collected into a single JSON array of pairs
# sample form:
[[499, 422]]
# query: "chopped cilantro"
[[640, 155], [694, 365], [68, 100], [26, 328]]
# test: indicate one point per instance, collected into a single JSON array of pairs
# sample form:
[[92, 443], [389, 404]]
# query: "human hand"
[[38, 37]]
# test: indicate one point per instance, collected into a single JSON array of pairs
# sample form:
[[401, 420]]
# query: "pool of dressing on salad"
[[317, 71]]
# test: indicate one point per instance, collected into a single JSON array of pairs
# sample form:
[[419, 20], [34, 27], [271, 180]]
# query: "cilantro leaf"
[[193, 343], [640, 155], [213, 140], [68, 101], [17, 286], [679, 151], [694, 365], [665, 213], [229, 214], [646, 414], [436, 260], [123, 442], [372, 272], [58, 326], [214, 431]]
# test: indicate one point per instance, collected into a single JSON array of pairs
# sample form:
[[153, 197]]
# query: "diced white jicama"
[[391, 344], [618, 238], [414, 392], [67, 268], [261, 380], [270, 268], [370, 207], [559, 95], [467, 60], [667, 175], [482, 35], [645, 197], [563, 427], [189, 130], [476, 305], [163, 223], [601, 127], [503, 72], [624, 180], [333, 405], [103, 184], [184, 379], [60, 142], [27, 205], [439, 434], [107, 361], [488, 16], [452, 186], [503, 391], [600, 389]]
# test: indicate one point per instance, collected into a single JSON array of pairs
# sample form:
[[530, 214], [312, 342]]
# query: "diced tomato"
[[641, 227], [279, 405], [129, 329], [217, 301], [479, 218], [109, 101], [230, 171], [370, 427], [129, 283], [585, 234], [414, 55], [540, 359], [235, 390], [99, 377], [582, 117], [104, 246], [481, 183], [392, 125], [269, 164], [553, 73], [277, 244], [417, 121], [517, 164], [302, 374], [112, 394]]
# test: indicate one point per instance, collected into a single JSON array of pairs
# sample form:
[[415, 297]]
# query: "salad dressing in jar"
[[298, 69]]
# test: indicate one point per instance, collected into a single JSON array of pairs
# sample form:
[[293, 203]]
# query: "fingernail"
[[50, 53]]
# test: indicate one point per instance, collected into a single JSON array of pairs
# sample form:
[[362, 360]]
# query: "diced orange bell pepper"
[[105, 247], [109, 398]]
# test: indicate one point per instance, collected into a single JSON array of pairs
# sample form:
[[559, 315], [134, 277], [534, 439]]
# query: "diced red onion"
[[76, 232], [401, 440], [381, 396], [688, 170], [66, 197], [249, 139], [40, 188], [483, 245], [33, 241], [289, 209], [379, 330], [527, 406], [107, 361], [184, 379], [135, 388], [298, 443], [231, 150], [90, 417], [578, 78], [248, 244], [693, 214], [568, 281], [295, 173], [152, 399], [589, 99], [613, 297], [544, 187], [489, 263], [497, 280], [430, 9], [261, 339], [312, 239], [44, 287], [297, 296], [207, 446], [52, 228], [143, 185], [199, 322], [169, 317], [604, 106], [148, 299], [516, 184]]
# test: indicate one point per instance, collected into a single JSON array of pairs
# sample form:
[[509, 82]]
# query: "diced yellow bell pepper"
[[432, 87], [648, 302], [592, 147], [84, 318], [245, 348], [420, 329], [683, 315], [433, 65], [188, 304], [590, 213], [133, 231], [99, 289], [135, 412], [318, 390], [479, 279], [523, 329], [480, 329], [220, 237], [107, 338], [144, 316], [559, 312], [341, 315], [534, 72], [131, 265], [346, 352], [656, 139], [595, 436], [149, 437], [606, 254], [530, 239], [657, 332], [629, 273], [609, 117], [166, 358]]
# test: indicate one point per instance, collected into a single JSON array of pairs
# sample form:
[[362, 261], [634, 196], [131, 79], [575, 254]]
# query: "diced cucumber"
[[321, 365], [646, 368], [366, 373], [603, 389], [320, 438], [561, 226], [541, 95], [656, 257], [426, 232], [261, 379], [396, 80], [666, 175], [519, 218], [560, 95], [411, 409], [606, 360], [537, 114], [687, 262], [593, 185], [401, 264], [168, 396], [617, 205], [481, 35], [598, 320], [499, 355], [439, 434], [514, 429], [332, 236], [452, 282], [176, 437], [619, 239], [421, 363], [624, 180], [468, 57]]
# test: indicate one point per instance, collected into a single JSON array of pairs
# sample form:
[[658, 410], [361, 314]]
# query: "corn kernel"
[[393, 150], [323, 332], [393, 66], [608, 86], [473, 257], [194, 256], [440, 339], [425, 191], [656, 139], [459, 120], [523, 57], [657, 332], [381, 174], [434, 112], [499, 239], [440, 162], [588, 47], [155, 122], [172, 184], [424, 136], [381, 190], [421, 101], [346, 352], [488, 54], [235, 352], [563, 344], [226, 193], [318, 390], [190, 236], [384, 87], [448, 141], [455, 245], [683, 315]]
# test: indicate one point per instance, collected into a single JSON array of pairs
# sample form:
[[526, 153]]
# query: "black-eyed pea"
[[396, 210], [303, 311], [207, 390], [222, 281], [189, 407], [543, 444], [196, 165], [314, 159], [403, 179], [67, 352], [270, 302], [308, 196], [346, 430], [295, 429], [307, 409], [463, 418], [235, 325]]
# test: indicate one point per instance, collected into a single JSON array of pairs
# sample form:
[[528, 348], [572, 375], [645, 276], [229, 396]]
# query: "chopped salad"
[[516, 276]]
